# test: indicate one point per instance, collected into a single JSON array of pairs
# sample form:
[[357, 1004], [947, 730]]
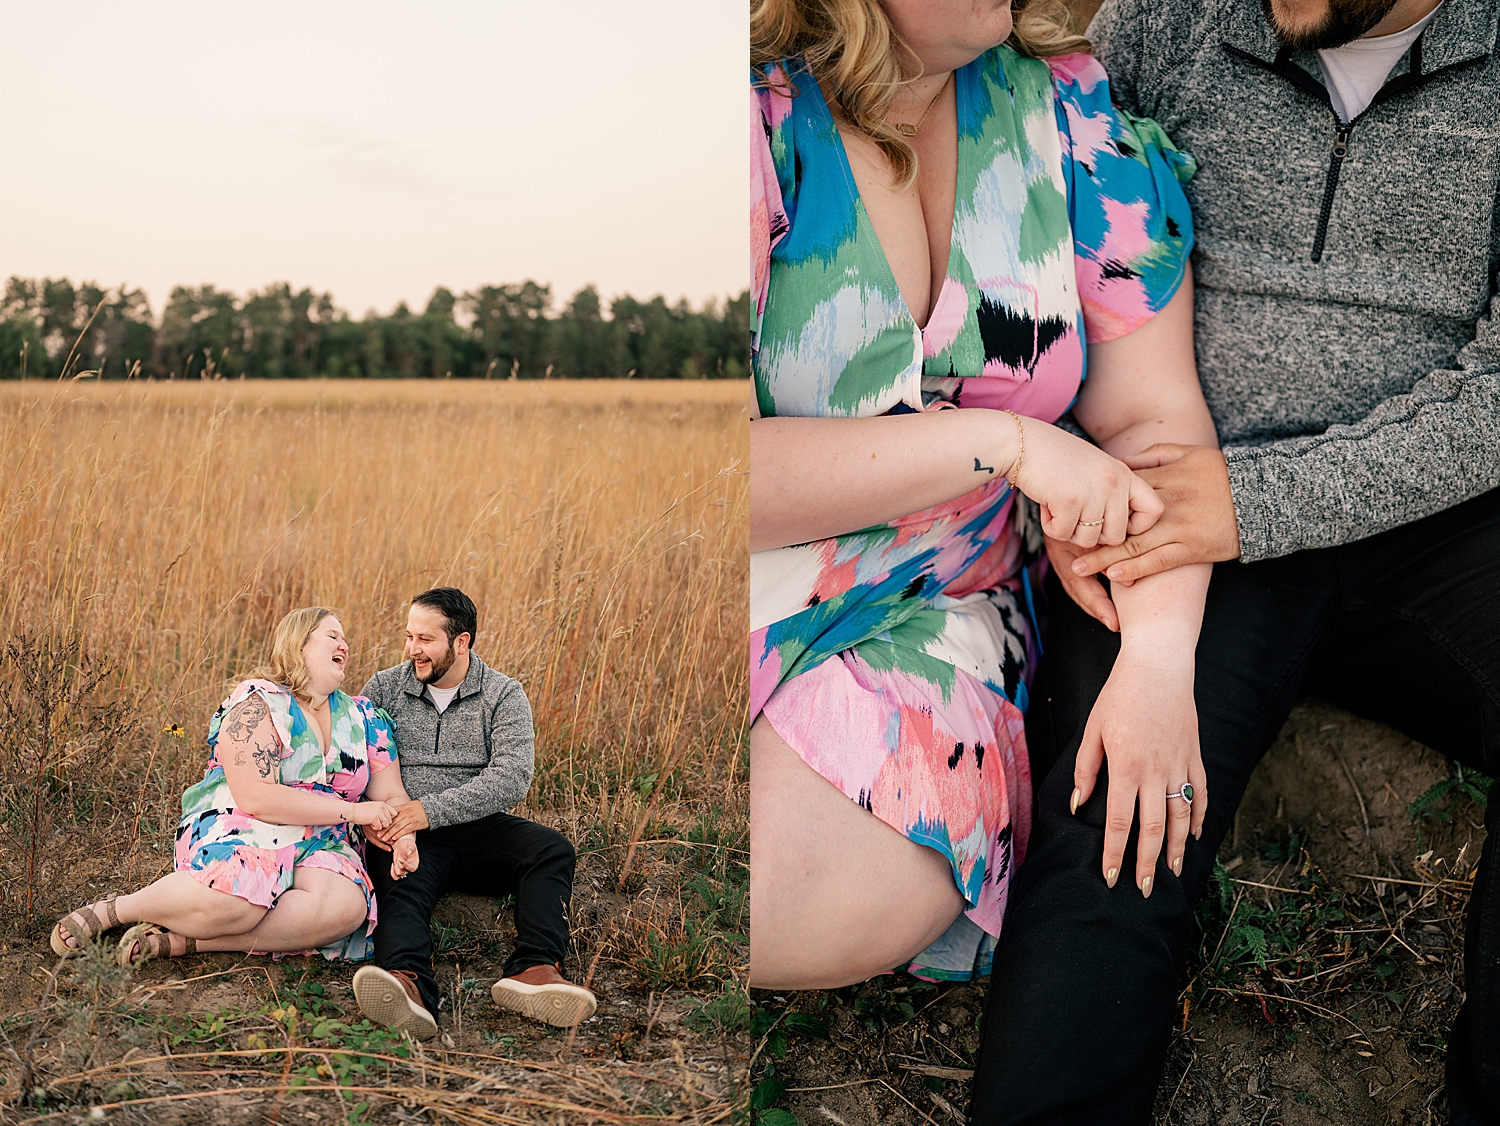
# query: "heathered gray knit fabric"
[[1360, 392], [474, 759]]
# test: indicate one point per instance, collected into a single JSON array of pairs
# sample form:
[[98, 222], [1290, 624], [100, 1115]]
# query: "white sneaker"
[[542, 993], [390, 997]]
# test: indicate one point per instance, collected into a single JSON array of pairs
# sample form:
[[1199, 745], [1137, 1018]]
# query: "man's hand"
[[1088, 592], [409, 819], [404, 856], [1198, 525]]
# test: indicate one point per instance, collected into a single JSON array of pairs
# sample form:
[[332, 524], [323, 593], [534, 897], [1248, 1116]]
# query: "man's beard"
[[1345, 22], [439, 668]]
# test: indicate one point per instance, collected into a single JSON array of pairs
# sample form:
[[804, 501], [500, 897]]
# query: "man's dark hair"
[[457, 608]]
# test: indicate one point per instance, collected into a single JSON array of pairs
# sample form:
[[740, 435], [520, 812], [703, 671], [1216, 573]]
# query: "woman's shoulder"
[[373, 715], [1078, 72], [773, 86], [277, 699], [274, 694]]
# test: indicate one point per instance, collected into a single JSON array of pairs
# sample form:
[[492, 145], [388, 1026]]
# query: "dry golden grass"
[[163, 529], [599, 527]]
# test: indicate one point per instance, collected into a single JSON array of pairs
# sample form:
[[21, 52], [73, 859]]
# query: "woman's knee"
[[226, 915], [352, 908]]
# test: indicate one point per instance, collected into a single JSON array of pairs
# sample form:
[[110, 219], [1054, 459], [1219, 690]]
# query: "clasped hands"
[[1197, 525], [399, 838]]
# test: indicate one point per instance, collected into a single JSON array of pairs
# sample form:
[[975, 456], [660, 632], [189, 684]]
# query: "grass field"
[[152, 534]]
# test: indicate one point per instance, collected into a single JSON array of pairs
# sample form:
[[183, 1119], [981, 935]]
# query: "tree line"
[[51, 328]]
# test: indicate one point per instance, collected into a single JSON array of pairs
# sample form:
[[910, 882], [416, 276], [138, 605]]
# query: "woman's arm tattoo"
[[243, 720], [240, 729]]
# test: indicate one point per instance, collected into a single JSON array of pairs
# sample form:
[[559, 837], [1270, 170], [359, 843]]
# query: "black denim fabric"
[[497, 855], [1403, 627]]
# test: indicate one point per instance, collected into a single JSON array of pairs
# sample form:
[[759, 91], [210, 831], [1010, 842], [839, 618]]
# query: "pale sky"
[[376, 150]]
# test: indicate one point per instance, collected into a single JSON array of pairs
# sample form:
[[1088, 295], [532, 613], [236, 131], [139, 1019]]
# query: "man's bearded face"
[[1318, 25]]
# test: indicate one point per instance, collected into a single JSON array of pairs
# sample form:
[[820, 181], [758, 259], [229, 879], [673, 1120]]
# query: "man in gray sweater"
[[1348, 236], [464, 742]]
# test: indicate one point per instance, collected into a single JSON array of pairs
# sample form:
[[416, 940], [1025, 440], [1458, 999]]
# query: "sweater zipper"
[[1414, 77], [1331, 184]]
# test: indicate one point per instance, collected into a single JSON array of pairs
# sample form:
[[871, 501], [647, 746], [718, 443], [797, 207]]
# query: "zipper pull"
[[1341, 142]]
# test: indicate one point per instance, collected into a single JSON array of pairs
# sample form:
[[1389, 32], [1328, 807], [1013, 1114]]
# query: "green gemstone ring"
[[1186, 793]]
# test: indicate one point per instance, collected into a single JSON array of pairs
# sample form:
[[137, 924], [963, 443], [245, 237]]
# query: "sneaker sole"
[[560, 1005], [382, 999]]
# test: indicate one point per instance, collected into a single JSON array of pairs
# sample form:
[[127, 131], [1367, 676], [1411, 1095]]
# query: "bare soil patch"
[[1328, 1002]]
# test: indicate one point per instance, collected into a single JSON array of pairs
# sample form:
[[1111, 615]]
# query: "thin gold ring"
[[1089, 523]]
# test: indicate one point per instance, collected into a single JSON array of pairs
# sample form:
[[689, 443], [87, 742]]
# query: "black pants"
[[1403, 627], [497, 855]]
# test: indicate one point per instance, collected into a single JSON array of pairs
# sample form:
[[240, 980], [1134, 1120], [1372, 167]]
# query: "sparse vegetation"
[[1327, 971]]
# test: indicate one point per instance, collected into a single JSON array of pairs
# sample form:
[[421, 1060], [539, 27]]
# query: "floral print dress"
[[228, 850], [895, 660]]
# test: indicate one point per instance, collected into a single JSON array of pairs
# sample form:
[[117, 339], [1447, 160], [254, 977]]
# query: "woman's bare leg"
[[184, 906], [836, 895], [320, 907]]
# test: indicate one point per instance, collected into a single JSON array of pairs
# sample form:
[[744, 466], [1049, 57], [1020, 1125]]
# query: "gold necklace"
[[911, 130]]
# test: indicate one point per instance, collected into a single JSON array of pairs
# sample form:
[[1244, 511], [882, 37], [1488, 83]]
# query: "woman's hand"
[[374, 814], [1089, 593], [1145, 723], [1087, 497], [404, 856]]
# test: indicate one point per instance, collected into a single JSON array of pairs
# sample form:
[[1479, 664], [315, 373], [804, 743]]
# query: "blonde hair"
[[286, 666], [851, 47]]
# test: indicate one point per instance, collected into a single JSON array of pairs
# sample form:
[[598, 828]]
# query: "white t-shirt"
[[442, 697], [1355, 72]]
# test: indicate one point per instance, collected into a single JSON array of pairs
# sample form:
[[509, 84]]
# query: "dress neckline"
[[862, 216]]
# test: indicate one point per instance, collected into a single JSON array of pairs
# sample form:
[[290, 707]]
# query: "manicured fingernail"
[[1177, 867], [1198, 833], [1073, 802], [1109, 877], [1146, 887]]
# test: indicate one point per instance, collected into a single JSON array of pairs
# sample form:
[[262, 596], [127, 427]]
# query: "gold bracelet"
[[1015, 470]]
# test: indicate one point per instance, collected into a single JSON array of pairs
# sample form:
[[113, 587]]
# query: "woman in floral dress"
[[266, 860], [950, 225]]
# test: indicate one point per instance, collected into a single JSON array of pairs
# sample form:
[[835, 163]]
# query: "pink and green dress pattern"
[[895, 660], [230, 851]]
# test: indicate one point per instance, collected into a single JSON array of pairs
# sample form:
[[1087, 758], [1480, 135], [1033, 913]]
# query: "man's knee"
[[554, 850]]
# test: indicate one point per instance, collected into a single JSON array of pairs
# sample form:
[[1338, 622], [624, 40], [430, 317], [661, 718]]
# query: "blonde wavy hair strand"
[[851, 47], [286, 666]]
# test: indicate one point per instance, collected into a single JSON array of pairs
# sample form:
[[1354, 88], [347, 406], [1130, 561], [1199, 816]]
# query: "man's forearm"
[[475, 799], [1411, 457]]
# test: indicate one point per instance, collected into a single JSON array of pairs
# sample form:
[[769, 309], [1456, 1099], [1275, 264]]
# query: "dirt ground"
[[1342, 1018], [181, 1033]]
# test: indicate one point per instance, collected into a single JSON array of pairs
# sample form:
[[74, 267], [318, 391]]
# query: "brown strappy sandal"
[[147, 940], [84, 925]]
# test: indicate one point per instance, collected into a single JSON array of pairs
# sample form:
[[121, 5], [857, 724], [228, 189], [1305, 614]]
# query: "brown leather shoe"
[[542, 993], [391, 998]]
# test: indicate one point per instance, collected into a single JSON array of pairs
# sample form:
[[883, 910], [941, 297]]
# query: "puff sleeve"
[[1132, 227]]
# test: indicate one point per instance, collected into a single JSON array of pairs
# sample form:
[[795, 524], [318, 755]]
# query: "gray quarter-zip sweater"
[[474, 759], [1346, 274]]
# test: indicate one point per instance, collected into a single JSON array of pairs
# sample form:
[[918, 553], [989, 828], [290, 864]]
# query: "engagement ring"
[[1186, 793]]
